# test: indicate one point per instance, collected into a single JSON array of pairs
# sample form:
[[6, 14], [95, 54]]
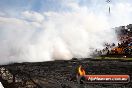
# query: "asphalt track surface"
[[62, 74]]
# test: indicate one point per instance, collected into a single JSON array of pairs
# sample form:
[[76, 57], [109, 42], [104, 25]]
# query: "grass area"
[[114, 58]]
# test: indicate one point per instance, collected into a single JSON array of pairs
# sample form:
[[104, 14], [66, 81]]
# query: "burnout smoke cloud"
[[50, 35]]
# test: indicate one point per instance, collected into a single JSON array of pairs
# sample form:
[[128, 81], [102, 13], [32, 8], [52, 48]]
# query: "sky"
[[14, 8], [45, 30]]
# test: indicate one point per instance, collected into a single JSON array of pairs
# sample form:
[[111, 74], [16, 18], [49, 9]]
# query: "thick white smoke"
[[51, 35], [1, 86]]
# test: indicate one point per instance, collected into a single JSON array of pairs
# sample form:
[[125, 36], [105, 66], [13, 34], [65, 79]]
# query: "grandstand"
[[124, 46]]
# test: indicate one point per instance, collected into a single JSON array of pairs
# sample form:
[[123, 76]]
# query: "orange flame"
[[81, 71]]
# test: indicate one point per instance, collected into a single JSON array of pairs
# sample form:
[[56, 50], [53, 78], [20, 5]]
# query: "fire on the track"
[[81, 71]]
